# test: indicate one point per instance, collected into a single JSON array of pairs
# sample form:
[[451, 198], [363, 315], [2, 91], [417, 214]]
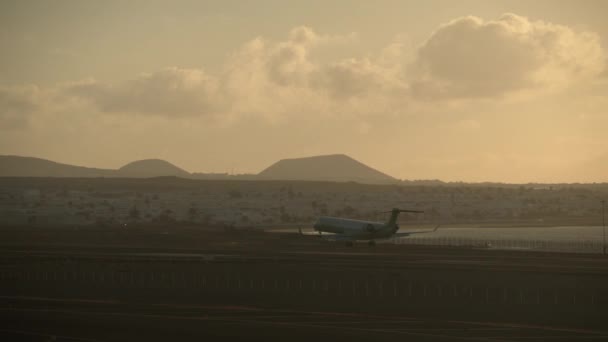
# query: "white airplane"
[[349, 230]]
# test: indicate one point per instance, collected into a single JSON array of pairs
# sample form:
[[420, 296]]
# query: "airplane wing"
[[418, 232], [302, 232], [328, 236], [338, 237]]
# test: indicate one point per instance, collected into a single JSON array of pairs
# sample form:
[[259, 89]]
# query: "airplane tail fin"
[[395, 214]]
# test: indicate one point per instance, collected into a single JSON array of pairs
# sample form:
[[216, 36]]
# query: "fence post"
[[555, 301]]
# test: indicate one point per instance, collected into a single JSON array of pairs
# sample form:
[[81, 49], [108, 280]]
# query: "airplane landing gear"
[[371, 243]]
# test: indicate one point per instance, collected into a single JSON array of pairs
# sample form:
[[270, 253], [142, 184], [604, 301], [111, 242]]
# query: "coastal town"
[[106, 202]]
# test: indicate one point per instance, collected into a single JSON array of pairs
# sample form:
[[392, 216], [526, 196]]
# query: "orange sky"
[[512, 91]]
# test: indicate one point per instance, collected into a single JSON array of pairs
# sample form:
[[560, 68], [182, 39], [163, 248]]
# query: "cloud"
[[278, 80], [171, 92], [470, 58], [287, 63], [467, 58], [304, 35], [267, 79], [359, 77], [17, 104]]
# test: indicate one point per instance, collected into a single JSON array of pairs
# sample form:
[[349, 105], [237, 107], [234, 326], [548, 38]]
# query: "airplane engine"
[[370, 228]]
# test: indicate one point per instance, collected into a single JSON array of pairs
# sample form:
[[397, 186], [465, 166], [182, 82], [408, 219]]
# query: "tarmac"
[[159, 284]]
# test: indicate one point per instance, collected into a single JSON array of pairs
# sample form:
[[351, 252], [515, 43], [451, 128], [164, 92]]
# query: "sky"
[[507, 91]]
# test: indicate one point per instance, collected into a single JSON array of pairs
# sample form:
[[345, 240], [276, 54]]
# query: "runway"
[[129, 285], [333, 255], [82, 321]]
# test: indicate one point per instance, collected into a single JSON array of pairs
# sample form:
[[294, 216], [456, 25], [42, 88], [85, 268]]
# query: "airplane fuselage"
[[356, 229]]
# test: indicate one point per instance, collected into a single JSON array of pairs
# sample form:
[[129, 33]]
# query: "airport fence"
[[579, 246], [135, 281]]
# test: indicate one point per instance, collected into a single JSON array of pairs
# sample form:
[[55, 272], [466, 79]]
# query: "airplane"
[[349, 230]]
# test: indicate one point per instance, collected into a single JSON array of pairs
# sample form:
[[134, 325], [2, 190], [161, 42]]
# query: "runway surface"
[[125, 286], [27, 318]]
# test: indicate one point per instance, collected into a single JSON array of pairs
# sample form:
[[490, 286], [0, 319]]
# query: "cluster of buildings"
[[270, 203]]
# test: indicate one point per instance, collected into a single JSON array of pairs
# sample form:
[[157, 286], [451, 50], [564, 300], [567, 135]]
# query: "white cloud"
[[469, 57], [276, 80], [171, 92], [303, 35], [288, 64], [359, 77]]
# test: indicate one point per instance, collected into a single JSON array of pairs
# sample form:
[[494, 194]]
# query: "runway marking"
[[76, 300], [239, 308], [531, 326], [338, 325], [33, 333], [390, 331], [567, 338], [207, 318], [284, 311]]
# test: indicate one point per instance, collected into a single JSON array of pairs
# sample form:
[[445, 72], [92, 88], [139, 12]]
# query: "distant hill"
[[332, 168], [16, 166], [335, 167], [151, 168]]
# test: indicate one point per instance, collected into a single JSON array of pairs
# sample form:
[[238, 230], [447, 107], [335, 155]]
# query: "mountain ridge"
[[11, 165], [146, 168], [332, 168], [19, 166]]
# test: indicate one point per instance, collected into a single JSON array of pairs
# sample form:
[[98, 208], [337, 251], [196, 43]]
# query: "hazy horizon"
[[501, 91]]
